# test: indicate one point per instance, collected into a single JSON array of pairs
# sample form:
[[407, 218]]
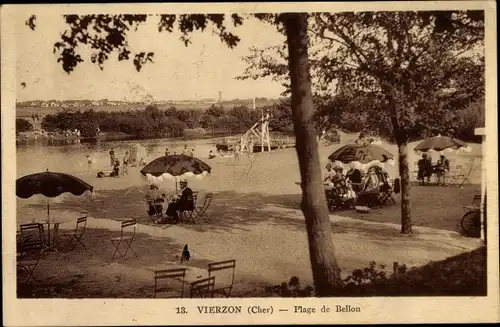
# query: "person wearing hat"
[[422, 169], [182, 202]]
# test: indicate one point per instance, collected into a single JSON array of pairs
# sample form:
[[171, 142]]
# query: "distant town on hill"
[[113, 103]]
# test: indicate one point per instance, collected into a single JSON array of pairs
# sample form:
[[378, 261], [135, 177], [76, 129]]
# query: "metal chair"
[[125, 239], [74, 238], [203, 288], [200, 211], [168, 274], [223, 265], [31, 245]]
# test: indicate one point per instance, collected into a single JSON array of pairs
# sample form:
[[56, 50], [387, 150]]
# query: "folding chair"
[[188, 214], [467, 173], [168, 274], [74, 238], [203, 288], [31, 249], [223, 265], [32, 234], [153, 208], [385, 195], [200, 211], [125, 239]]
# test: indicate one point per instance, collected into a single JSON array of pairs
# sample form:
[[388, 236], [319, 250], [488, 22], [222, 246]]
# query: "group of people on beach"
[[349, 187], [185, 151]]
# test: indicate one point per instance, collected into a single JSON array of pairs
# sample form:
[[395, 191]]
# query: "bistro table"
[[51, 241]]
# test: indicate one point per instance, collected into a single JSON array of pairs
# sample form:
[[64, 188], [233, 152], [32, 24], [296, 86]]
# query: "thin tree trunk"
[[326, 272], [404, 174]]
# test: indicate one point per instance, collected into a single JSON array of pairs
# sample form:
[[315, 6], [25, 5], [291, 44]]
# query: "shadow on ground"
[[435, 207], [92, 273]]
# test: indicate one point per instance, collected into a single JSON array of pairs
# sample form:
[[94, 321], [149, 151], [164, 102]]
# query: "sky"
[[198, 71]]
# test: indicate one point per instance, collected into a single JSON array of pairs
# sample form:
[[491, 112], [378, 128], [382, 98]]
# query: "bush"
[[23, 125], [461, 275]]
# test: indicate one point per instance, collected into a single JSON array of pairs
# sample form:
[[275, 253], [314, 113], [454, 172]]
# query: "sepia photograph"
[[237, 153]]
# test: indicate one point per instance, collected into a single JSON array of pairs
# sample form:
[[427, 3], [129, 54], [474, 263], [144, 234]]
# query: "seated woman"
[[182, 202], [343, 187]]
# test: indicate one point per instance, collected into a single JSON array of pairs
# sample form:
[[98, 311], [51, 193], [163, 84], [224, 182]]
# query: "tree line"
[[172, 122], [152, 122]]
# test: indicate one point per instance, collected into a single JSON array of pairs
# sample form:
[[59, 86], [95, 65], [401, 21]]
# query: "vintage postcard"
[[249, 163]]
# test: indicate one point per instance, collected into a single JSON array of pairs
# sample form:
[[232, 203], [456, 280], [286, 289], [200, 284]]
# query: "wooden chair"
[[223, 265], [125, 239], [168, 274], [200, 211], [74, 238], [203, 288]]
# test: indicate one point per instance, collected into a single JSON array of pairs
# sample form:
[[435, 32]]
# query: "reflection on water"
[[71, 158]]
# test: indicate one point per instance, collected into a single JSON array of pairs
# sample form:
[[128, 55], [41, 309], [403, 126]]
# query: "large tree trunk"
[[404, 174], [326, 272]]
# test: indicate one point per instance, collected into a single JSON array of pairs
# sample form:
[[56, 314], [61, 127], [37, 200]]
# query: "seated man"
[[184, 202], [355, 177]]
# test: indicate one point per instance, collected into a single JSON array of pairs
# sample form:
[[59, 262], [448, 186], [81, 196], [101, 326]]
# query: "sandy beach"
[[254, 218]]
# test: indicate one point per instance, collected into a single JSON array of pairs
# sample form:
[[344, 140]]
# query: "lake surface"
[[72, 158]]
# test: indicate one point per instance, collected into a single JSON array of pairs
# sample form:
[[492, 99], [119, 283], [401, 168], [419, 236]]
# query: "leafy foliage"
[[399, 74], [461, 275], [23, 125]]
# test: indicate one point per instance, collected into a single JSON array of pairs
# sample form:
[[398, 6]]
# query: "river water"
[[73, 158]]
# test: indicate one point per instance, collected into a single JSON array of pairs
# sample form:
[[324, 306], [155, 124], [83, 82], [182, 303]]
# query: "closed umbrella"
[[173, 166], [51, 185], [440, 143]]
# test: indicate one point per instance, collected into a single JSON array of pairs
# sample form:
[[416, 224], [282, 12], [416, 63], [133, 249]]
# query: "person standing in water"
[[89, 163], [125, 163], [112, 158], [237, 149]]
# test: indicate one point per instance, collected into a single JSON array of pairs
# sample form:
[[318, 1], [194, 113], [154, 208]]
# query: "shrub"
[[23, 125]]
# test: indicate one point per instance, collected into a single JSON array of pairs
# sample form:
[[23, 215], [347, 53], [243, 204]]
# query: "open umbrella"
[[440, 143], [51, 185], [173, 166], [363, 155]]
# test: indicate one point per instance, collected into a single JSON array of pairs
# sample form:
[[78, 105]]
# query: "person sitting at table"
[[343, 187], [422, 169], [442, 168], [182, 202], [355, 176], [329, 173]]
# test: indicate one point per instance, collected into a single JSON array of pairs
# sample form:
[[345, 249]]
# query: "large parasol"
[[362, 155], [441, 143], [175, 166], [51, 185]]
